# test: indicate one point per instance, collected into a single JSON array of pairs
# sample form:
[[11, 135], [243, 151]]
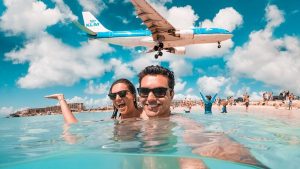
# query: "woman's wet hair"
[[208, 97], [132, 90]]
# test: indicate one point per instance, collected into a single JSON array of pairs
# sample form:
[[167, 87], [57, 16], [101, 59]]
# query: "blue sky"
[[43, 53]]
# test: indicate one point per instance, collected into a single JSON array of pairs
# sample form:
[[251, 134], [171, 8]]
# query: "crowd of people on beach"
[[284, 99]]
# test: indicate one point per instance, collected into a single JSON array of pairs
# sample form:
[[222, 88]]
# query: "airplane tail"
[[92, 23]]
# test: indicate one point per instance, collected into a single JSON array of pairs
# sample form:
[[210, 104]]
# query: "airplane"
[[160, 34]]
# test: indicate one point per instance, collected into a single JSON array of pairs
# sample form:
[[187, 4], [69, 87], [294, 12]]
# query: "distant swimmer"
[[208, 101]]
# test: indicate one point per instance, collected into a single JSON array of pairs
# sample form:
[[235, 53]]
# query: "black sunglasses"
[[121, 93], [158, 92]]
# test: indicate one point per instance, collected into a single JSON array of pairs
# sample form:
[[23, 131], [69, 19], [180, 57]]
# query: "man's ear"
[[172, 93]]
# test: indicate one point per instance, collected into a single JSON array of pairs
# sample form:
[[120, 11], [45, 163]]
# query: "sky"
[[43, 53]]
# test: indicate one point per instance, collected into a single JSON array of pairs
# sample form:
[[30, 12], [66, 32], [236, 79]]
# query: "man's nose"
[[151, 96]]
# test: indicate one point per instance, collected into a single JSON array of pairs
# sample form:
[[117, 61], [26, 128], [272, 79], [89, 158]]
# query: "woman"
[[123, 95], [208, 102]]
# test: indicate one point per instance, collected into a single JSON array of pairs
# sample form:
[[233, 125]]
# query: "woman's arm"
[[203, 98], [68, 115], [214, 98]]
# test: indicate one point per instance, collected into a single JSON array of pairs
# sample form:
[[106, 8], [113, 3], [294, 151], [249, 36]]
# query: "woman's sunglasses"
[[121, 93], [158, 92]]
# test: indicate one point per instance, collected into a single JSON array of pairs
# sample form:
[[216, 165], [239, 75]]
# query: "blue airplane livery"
[[160, 34]]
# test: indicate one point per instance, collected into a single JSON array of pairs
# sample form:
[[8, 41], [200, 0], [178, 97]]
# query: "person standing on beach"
[[246, 100], [291, 97], [208, 102], [224, 106]]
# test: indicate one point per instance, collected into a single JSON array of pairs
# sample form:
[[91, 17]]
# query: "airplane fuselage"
[[185, 37]]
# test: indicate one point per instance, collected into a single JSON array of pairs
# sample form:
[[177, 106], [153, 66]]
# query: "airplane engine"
[[185, 34], [177, 50]]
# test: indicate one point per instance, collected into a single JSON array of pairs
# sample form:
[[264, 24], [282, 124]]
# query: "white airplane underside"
[[159, 36], [148, 41]]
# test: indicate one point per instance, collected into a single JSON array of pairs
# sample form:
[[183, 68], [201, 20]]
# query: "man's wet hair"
[[158, 70], [132, 90]]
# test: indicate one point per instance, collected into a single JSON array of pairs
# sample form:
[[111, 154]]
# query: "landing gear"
[[219, 44], [161, 45], [158, 48], [158, 54]]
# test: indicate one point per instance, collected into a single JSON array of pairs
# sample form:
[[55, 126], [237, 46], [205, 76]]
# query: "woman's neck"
[[134, 113]]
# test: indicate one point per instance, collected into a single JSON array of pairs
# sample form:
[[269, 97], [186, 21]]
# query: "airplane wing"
[[161, 29]]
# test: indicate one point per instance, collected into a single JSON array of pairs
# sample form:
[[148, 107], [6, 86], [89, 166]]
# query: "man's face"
[[156, 106]]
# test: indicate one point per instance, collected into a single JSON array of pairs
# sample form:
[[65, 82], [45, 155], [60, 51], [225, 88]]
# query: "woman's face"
[[123, 104]]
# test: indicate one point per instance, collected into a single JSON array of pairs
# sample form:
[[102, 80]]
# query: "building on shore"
[[74, 107]]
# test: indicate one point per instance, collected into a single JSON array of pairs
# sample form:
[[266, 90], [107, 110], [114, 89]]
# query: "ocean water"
[[184, 140]]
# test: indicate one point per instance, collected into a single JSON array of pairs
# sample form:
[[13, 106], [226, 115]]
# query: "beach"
[[266, 111]]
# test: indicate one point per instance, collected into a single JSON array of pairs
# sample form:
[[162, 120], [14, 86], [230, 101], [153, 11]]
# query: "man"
[[246, 100], [156, 91]]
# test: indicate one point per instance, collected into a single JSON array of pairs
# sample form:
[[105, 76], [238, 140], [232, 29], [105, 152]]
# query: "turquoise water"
[[98, 142]]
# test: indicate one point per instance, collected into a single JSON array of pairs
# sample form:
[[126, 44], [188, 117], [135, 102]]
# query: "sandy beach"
[[266, 111]]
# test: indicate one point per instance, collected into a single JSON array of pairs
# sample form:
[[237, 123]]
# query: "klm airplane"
[[160, 35]]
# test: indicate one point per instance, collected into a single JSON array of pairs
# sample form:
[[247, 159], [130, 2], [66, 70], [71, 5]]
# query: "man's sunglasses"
[[121, 93], [158, 92]]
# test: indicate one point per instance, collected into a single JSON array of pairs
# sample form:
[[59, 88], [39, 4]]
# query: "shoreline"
[[281, 113]]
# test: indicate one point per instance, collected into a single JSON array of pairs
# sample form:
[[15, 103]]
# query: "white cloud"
[[93, 88], [52, 62], [190, 91], [242, 91], [29, 17], [254, 96], [181, 67], [65, 10], [94, 6], [273, 16], [227, 18], [211, 85], [142, 61], [179, 85], [90, 102], [209, 49], [273, 61], [228, 91], [123, 19], [160, 2], [182, 17], [186, 96], [121, 70], [4, 111]]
